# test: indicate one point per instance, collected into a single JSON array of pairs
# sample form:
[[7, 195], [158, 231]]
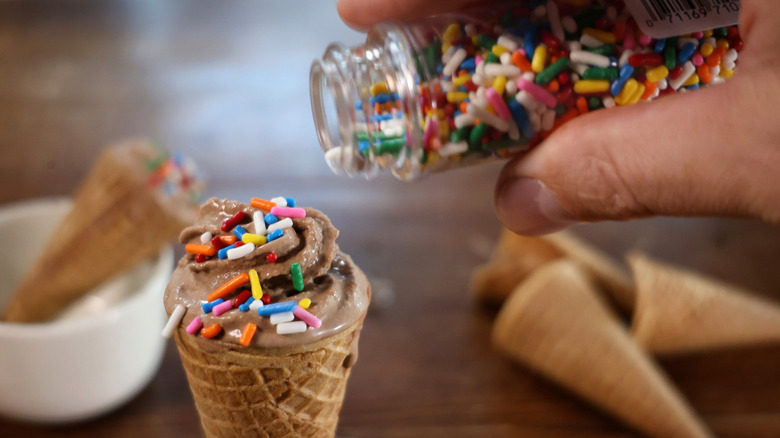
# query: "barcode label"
[[665, 18]]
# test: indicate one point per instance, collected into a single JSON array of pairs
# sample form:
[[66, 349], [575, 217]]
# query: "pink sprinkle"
[[498, 103], [698, 35], [477, 60], [194, 325], [306, 316], [697, 59], [629, 41], [645, 40], [293, 212], [221, 308], [536, 91], [431, 131]]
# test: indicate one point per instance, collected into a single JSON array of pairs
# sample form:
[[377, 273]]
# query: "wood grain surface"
[[227, 83]]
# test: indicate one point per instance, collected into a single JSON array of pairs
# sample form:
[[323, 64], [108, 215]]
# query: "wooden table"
[[228, 85]]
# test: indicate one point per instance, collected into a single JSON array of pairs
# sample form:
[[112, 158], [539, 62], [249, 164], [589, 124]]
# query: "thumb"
[[706, 152]]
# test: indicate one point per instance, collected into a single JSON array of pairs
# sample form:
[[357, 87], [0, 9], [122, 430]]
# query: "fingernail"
[[526, 206]]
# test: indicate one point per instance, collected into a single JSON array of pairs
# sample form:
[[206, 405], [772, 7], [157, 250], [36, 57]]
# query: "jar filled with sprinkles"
[[490, 83]]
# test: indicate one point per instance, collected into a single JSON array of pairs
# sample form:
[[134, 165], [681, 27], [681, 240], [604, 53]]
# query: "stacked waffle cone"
[[554, 321], [116, 221], [288, 392]]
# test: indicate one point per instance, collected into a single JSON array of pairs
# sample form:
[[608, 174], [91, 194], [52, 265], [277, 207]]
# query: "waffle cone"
[[516, 257], [116, 222], [680, 311], [288, 392], [556, 324]]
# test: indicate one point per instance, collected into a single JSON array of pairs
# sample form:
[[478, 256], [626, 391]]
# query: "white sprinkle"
[[572, 45], [280, 225], [514, 131], [470, 29], [590, 41], [453, 148], [463, 120], [447, 55], [589, 58], [624, 57], [527, 100], [730, 56], [278, 318], [287, 328], [241, 251], [683, 41], [687, 71], [608, 101], [487, 117], [662, 84], [511, 87], [569, 24], [529, 76], [505, 58], [256, 304], [279, 201], [501, 70], [508, 41], [174, 320], [555, 20], [454, 62], [259, 221], [206, 237]]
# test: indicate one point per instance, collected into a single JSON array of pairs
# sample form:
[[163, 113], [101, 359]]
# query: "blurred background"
[[227, 84]]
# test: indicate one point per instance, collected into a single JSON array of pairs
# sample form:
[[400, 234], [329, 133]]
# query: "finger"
[[361, 14], [682, 155]]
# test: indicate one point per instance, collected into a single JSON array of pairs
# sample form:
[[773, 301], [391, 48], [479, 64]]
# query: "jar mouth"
[[326, 117]]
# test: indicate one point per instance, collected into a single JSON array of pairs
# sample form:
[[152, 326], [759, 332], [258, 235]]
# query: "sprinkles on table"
[[496, 87], [239, 243]]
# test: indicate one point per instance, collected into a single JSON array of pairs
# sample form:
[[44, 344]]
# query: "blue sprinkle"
[[359, 105], [439, 69], [530, 41], [270, 219], [210, 305], [363, 146], [468, 64], [685, 53], [521, 118], [381, 98], [462, 88], [222, 253], [660, 44], [275, 234], [270, 309], [239, 231], [692, 87], [625, 74], [290, 201], [245, 307]]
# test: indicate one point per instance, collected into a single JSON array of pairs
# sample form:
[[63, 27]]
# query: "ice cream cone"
[[679, 311], [556, 324], [284, 392], [515, 257], [117, 221]]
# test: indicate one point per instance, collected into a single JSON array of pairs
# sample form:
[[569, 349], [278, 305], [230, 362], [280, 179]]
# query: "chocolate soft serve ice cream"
[[273, 384]]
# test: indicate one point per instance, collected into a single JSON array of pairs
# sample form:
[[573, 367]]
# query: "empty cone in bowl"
[[555, 323], [266, 312], [516, 257], [136, 199], [679, 311]]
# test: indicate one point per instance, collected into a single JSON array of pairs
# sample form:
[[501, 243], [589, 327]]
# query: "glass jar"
[[489, 83]]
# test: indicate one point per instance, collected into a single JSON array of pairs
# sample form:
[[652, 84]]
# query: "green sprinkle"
[[297, 276], [552, 71], [485, 41], [390, 146], [670, 56], [604, 49], [599, 73], [459, 135], [720, 32], [594, 103], [492, 58], [475, 137]]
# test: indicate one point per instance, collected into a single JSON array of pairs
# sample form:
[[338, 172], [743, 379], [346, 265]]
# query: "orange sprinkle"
[[582, 105], [211, 331], [228, 239], [378, 108], [463, 106], [262, 204], [649, 90], [521, 61], [720, 51], [713, 60], [206, 250], [248, 334], [553, 86], [704, 73], [228, 287]]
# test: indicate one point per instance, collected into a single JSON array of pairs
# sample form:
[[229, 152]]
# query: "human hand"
[[712, 152]]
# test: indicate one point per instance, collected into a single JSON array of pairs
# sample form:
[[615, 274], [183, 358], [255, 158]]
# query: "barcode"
[[662, 10]]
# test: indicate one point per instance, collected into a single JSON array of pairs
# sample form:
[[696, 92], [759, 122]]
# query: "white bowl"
[[96, 356]]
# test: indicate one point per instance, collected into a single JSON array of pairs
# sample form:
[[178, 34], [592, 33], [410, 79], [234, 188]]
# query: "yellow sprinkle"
[[726, 74], [499, 50], [657, 73], [627, 92], [378, 88], [304, 303], [637, 94], [708, 33], [475, 41], [457, 96], [452, 32], [460, 80], [254, 282], [444, 131], [499, 84], [706, 49], [601, 35], [693, 80], [253, 238], [540, 58], [590, 86], [723, 43], [445, 46], [433, 157]]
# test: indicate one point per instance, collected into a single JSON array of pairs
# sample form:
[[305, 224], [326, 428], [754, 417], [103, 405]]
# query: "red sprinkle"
[[241, 298], [232, 221], [266, 299], [649, 59], [216, 242], [200, 258], [675, 72], [238, 244], [271, 257]]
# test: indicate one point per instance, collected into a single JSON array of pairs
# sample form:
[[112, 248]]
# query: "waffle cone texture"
[[555, 323], [115, 223], [270, 393]]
